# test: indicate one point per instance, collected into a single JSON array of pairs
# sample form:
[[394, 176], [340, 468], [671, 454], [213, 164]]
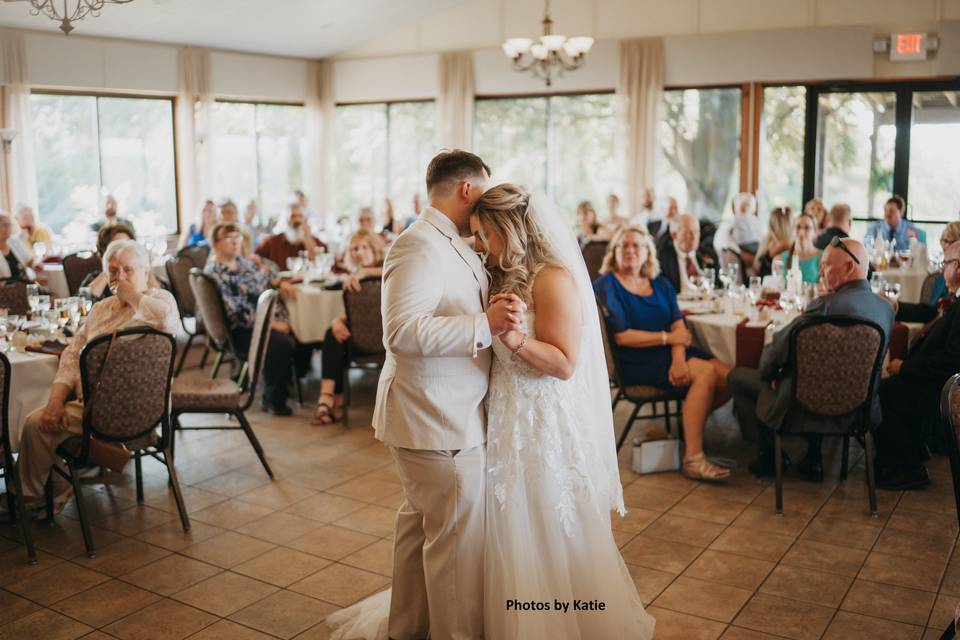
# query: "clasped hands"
[[505, 313]]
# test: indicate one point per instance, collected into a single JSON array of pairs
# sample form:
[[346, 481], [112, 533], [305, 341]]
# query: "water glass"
[[294, 263], [709, 277], [778, 272], [733, 272], [876, 282], [891, 290], [43, 304], [33, 297]]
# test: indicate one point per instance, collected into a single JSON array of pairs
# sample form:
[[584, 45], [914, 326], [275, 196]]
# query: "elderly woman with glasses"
[[136, 301], [16, 256], [652, 344]]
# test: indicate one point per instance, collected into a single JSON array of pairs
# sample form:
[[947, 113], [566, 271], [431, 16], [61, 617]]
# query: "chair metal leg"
[[871, 477], [48, 497], [203, 358], [778, 467], [251, 436], [297, 386], [346, 397], [627, 427], [138, 468], [174, 425], [13, 477], [216, 365], [845, 460], [950, 632], [175, 485], [81, 510], [666, 416], [183, 356], [616, 400]]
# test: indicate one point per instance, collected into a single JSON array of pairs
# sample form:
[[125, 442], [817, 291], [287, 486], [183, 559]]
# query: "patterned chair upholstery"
[[8, 468], [128, 397], [78, 266], [197, 256], [365, 348], [13, 297], [178, 279], [926, 289], [593, 253], [836, 361], [638, 395], [950, 418], [210, 311], [223, 395]]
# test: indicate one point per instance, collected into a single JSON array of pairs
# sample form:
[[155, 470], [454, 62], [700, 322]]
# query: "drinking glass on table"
[[756, 286], [294, 263], [40, 250], [33, 297], [778, 272], [733, 273], [709, 277], [891, 291], [876, 282]]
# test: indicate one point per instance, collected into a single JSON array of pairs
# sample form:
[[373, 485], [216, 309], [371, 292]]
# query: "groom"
[[429, 405]]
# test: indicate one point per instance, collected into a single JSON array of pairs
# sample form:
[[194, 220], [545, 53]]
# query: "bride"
[[552, 567]]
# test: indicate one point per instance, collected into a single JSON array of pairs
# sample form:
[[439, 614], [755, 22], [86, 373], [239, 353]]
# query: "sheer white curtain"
[[320, 111], [639, 89], [194, 136], [16, 159], [457, 91]]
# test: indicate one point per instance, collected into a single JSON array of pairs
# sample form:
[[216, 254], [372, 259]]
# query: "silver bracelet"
[[523, 343]]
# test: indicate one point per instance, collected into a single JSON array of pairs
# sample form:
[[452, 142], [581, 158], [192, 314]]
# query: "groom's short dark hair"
[[450, 167]]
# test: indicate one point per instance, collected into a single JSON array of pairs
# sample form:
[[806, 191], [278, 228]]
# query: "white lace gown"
[[548, 536]]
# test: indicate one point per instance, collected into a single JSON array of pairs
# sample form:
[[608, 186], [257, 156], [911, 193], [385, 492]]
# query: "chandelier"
[[71, 11], [549, 57]]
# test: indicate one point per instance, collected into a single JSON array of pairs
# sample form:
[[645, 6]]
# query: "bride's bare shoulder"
[[552, 280]]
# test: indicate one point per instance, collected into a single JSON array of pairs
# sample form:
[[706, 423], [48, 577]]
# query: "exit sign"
[[908, 46]]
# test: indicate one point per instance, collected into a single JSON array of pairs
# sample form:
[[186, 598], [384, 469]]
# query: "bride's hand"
[[516, 305], [512, 339]]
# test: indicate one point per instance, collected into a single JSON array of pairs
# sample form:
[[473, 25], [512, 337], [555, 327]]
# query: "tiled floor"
[[272, 559]]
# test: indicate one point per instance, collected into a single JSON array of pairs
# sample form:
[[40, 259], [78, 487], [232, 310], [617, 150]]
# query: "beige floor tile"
[[193, 499], [105, 603], [58, 582], [224, 593], [923, 522], [15, 569], [45, 624], [13, 607], [857, 509], [332, 542], [284, 614], [652, 499], [340, 584], [171, 535], [171, 574], [392, 501], [320, 478], [729, 569], [825, 557], [844, 533], [703, 599], [928, 501], [226, 630], [808, 503], [672, 625], [650, 582], [122, 557], [277, 494], [234, 483], [227, 549], [231, 514], [738, 633], [282, 566], [670, 526], [753, 543], [376, 558], [902, 572], [64, 537], [951, 580], [132, 521], [279, 527], [372, 520], [325, 507], [741, 488], [848, 625], [635, 521], [623, 537], [163, 620], [889, 602], [816, 587], [366, 489], [763, 518], [653, 553], [944, 609], [783, 617], [915, 545], [703, 507]]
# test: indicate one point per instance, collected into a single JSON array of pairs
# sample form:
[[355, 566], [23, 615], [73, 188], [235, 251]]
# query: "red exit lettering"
[[909, 43]]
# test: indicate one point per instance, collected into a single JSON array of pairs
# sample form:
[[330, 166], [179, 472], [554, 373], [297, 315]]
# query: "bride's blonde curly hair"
[[506, 209]]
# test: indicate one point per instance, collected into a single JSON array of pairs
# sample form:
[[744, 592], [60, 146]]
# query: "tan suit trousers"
[[38, 450]]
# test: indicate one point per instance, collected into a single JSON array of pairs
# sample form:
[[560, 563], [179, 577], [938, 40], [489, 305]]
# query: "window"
[[88, 146], [934, 164], [561, 145], [781, 148], [699, 138], [259, 152], [382, 151]]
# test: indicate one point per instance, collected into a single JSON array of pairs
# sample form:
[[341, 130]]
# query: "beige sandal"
[[698, 467]]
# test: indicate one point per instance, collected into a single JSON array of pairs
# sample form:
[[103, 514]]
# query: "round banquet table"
[[313, 311], [911, 281], [31, 377]]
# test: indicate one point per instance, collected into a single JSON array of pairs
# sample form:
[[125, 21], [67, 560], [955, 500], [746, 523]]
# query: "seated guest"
[[588, 227], [660, 228], [97, 281], [614, 217], [296, 237], [895, 226], [643, 217], [950, 234], [911, 394], [761, 397], [839, 222], [392, 225], [366, 256], [803, 253], [31, 231], [16, 257], [653, 344], [229, 213], [198, 234], [681, 257], [817, 210], [241, 284], [137, 301], [110, 215], [779, 238], [746, 226]]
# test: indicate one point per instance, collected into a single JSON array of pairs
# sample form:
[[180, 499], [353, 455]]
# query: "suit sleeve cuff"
[[481, 333]]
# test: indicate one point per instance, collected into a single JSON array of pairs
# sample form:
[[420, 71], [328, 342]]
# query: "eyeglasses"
[[837, 243]]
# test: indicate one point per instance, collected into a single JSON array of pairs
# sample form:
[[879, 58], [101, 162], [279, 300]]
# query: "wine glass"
[[876, 282], [778, 272], [33, 297], [294, 263], [891, 290], [733, 272]]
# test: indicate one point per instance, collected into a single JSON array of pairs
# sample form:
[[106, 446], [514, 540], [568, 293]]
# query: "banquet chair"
[[926, 289], [13, 297], [365, 348], [128, 396], [78, 266], [638, 395], [178, 277], [950, 419], [196, 255], [837, 361], [8, 470], [222, 395], [593, 253]]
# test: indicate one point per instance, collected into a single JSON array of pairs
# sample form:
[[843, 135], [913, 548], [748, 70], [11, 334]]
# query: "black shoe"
[[903, 478], [811, 468], [764, 465], [277, 409]]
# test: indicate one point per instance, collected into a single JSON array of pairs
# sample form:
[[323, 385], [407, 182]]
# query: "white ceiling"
[[299, 28]]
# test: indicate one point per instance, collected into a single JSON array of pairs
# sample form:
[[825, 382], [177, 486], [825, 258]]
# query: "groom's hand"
[[505, 313]]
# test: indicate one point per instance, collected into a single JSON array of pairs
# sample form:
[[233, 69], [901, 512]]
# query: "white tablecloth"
[[31, 376], [313, 311], [911, 281]]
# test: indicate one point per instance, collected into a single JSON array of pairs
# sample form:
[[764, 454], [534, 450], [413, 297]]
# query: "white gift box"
[[654, 456]]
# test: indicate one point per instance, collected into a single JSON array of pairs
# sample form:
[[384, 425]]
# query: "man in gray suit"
[[761, 396]]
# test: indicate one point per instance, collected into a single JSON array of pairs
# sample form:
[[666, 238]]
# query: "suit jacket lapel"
[[470, 257]]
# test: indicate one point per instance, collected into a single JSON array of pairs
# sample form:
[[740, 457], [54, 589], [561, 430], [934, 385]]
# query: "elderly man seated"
[[16, 256], [241, 283], [136, 301], [682, 258], [31, 231], [761, 397], [296, 238], [910, 396]]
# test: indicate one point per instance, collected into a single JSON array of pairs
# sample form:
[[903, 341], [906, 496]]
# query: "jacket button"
[[479, 345]]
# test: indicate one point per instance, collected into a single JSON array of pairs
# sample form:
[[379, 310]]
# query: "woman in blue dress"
[[652, 343], [195, 234]]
